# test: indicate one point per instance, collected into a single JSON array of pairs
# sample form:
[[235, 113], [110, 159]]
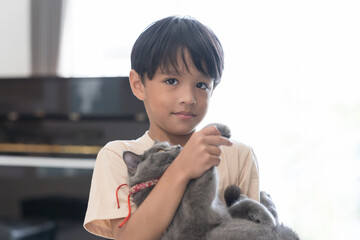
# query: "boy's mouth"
[[184, 115]]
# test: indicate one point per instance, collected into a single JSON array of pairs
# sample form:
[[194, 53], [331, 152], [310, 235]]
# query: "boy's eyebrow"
[[176, 72]]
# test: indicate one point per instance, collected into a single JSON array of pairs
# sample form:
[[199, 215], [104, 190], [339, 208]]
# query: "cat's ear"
[[132, 160]]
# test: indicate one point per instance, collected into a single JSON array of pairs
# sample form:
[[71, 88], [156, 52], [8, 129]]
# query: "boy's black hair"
[[159, 46]]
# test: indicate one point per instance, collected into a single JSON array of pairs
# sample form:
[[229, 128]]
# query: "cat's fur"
[[200, 215]]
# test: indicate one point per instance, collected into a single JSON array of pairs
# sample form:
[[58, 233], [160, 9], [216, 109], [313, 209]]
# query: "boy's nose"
[[187, 96]]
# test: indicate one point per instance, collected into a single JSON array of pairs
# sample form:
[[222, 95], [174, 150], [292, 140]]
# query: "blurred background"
[[290, 90]]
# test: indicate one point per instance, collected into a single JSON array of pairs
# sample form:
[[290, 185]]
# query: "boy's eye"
[[172, 81], [202, 85]]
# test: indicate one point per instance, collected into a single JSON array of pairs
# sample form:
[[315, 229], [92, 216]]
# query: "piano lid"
[[56, 116], [54, 96]]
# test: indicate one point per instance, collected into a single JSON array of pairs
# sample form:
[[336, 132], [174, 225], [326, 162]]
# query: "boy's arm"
[[156, 212]]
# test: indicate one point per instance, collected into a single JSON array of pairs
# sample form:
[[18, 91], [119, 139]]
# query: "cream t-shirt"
[[238, 166]]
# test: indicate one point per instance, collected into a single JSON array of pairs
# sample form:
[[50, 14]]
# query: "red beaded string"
[[132, 191], [118, 205]]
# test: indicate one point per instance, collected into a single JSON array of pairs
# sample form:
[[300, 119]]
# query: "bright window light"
[[291, 90]]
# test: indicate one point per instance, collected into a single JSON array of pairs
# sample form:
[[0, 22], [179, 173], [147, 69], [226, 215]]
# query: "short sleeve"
[[239, 166], [109, 173], [249, 175]]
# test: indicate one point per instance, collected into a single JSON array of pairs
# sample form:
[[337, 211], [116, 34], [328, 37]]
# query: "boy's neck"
[[171, 138]]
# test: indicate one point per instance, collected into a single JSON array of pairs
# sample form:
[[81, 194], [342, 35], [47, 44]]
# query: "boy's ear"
[[137, 87]]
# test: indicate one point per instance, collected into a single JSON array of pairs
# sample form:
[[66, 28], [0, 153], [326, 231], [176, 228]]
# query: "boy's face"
[[176, 103]]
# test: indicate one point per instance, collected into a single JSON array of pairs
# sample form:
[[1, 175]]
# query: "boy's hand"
[[201, 152]]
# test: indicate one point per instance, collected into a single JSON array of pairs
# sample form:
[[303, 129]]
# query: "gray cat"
[[201, 215]]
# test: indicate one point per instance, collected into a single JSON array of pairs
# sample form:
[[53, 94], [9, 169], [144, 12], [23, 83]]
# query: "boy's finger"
[[210, 130], [219, 141]]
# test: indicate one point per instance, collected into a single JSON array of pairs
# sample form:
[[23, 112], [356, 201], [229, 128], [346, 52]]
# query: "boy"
[[176, 64]]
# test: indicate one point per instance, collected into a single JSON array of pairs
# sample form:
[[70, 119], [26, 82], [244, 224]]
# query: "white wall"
[[14, 38]]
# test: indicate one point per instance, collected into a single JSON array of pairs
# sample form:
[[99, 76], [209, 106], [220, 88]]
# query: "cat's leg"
[[242, 207]]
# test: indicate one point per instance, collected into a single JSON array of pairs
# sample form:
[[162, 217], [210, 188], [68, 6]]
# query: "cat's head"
[[149, 166], [152, 163]]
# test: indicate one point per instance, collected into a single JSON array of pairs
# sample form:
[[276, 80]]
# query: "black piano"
[[56, 116], [51, 129]]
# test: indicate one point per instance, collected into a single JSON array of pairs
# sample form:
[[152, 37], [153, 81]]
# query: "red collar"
[[136, 188], [140, 186]]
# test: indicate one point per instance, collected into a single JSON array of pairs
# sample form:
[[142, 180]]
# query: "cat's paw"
[[252, 210], [223, 129], [266, 200]]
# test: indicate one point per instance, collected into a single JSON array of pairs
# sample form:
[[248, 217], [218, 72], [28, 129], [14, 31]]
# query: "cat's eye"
[[161, 150]]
